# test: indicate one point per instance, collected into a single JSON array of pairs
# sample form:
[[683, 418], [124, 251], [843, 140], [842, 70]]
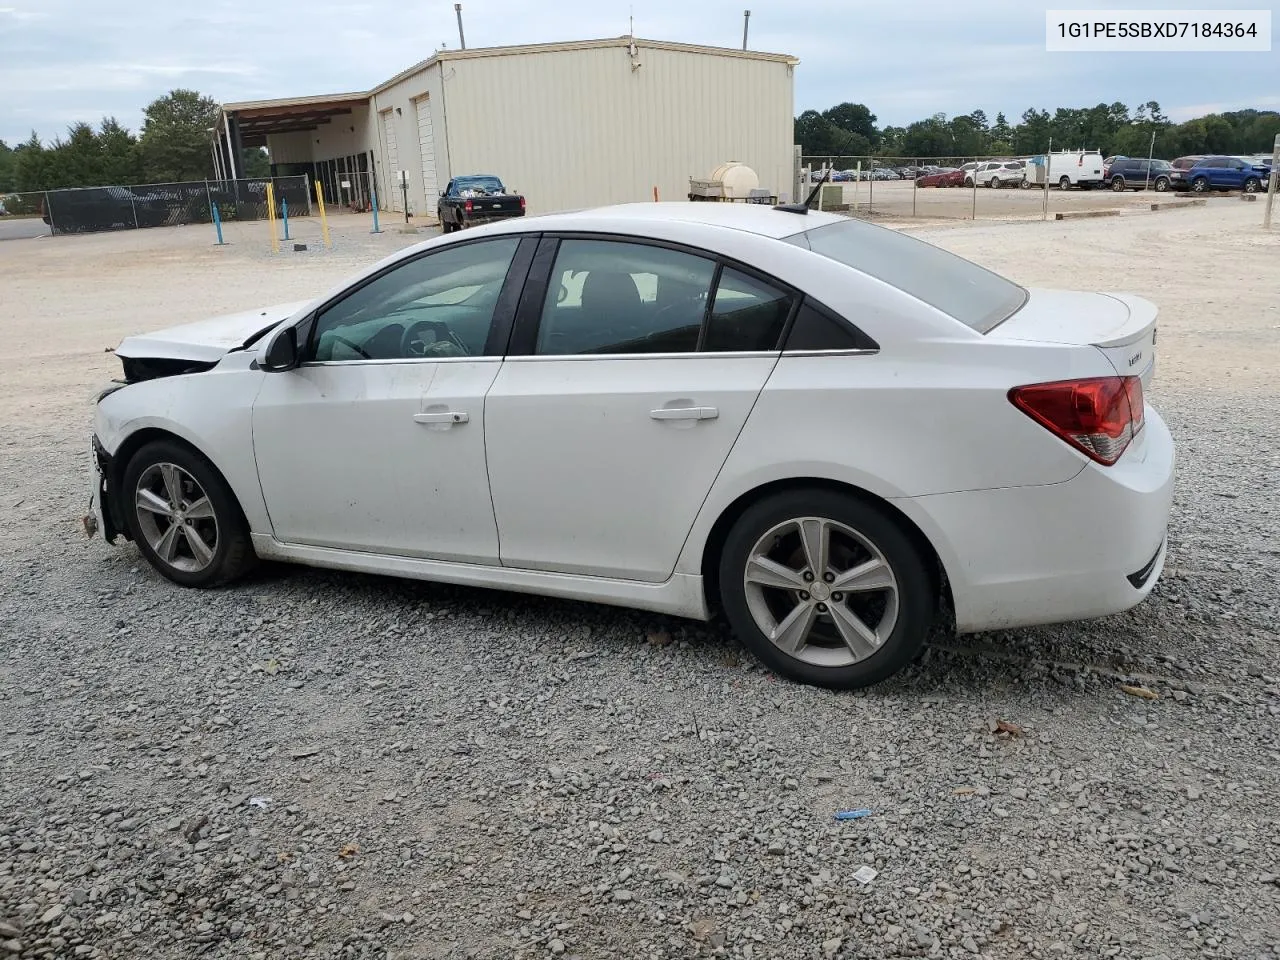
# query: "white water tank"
[[737, 180]]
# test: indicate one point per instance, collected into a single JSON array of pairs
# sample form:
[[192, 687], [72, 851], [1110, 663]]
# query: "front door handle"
[[446, 416], [684, 413]]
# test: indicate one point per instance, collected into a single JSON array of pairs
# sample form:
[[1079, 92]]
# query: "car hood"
[[207, 341]]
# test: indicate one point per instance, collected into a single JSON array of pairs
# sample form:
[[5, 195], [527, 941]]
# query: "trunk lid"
[[1122, 326], [493, 205], [206, 341]]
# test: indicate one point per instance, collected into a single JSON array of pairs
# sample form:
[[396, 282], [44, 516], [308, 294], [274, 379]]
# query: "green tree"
[[929, 139], [1032, 135], [855, 119], [175, 137], [1001, 135], [31, 162], [968, 137], [255, 163], [120, 162], [8, 169]]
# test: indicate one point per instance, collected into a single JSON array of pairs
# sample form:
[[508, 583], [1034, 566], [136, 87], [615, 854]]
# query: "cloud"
[[63, 59]]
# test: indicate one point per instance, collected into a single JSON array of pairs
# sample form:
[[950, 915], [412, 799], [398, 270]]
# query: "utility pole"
[[457, 8], [746, 21], [1273, 183]]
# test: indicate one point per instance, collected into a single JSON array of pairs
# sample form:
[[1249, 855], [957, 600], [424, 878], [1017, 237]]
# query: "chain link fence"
[[99, 209], [965, 188]]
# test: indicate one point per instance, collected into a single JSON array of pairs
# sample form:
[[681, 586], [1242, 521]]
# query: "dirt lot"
[[458, 773]]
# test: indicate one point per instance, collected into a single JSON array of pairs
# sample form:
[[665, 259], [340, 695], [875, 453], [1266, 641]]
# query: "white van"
[[1075, 168]]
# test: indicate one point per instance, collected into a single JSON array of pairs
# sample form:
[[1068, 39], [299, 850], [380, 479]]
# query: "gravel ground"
[[335, 766]]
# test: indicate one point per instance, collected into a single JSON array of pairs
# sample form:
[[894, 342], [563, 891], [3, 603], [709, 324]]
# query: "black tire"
[[1200, 185], [1252, 185], [1161, 185], [994, 184], [232, 553], [1117, 184], [916, 595], [1064, 183]]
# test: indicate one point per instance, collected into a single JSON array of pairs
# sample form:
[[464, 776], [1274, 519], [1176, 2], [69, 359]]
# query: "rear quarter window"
[[977, 297]]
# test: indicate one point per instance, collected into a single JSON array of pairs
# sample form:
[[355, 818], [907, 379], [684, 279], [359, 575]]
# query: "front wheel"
[[826, 589], [995, 183], [184, 518], [1252, 185], [1162, 184]]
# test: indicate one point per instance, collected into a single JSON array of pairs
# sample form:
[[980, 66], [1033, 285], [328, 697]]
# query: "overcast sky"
[[68, 60]]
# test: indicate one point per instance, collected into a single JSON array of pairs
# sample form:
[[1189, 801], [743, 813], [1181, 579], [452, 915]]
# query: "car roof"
[[758, 218]]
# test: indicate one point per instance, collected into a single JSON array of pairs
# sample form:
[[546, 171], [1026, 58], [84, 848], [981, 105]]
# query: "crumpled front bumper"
[[100, 518]]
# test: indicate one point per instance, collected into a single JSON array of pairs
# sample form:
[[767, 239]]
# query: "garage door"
[[427, 150], [393, 161]]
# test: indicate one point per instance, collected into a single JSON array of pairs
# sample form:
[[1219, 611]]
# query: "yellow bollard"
[[324, 220], [271, 215]]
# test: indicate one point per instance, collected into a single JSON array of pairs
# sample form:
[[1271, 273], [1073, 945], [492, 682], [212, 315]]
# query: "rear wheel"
[[184, 518], [995, 183], [826, 589], [1064, 183], [1118, 184], [1161, 185], [1200, 185]]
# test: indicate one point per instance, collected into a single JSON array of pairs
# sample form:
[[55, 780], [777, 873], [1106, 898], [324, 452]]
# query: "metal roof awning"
[[259, 118]]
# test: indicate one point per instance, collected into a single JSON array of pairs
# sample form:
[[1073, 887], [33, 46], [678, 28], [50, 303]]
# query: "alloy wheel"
[[821, 592], [176, 517]]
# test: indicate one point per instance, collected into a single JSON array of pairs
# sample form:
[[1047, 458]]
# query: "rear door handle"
[[447, 416], [684, 413]]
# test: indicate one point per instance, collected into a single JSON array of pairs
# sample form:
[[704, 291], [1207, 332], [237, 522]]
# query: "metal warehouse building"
[[569, 125]]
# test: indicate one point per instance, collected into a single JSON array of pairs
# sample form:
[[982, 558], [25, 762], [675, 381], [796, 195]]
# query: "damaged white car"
[[834, 433]]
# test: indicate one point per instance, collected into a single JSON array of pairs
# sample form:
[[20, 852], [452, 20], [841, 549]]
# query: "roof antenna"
[[808, 203]]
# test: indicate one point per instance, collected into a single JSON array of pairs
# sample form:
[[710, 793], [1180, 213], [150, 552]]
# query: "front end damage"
[[104, 511]]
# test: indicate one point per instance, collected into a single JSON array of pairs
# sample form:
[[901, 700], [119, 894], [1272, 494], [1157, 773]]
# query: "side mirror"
[[282, 352]]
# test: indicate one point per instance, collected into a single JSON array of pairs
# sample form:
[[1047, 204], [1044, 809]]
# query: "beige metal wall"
[[578, 128], [401, 97]]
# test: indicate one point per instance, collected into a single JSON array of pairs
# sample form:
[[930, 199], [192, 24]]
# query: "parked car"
[[672, 447], [1000, 173], [1108, 161], [1186, 163], [943, 178], [1221, 173], [1133, 174], [475, 199]]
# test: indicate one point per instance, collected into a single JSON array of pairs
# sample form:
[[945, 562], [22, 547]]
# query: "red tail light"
[[522, 203], [467, 206], [1098, 416]]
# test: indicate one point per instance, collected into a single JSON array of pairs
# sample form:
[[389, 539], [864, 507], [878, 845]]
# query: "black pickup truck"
[[478, 198]]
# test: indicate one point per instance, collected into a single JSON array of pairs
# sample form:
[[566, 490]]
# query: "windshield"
[[482, 186], [972, 294]]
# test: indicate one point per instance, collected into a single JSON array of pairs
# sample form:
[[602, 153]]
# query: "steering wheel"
[[413, 345], [354, 346]]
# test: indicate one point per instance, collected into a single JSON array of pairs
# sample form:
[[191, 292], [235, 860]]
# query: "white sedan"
[[835, 433]]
